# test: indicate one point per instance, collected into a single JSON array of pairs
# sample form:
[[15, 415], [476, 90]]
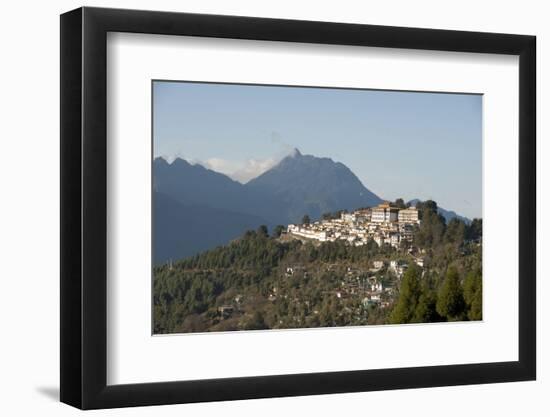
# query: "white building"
[[307, 232], [384, 227], [347, 217], [399, 267], [384, 213], [408, 215], [363, 216]]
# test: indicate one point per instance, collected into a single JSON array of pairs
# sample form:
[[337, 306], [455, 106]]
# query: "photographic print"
[[285, 207]]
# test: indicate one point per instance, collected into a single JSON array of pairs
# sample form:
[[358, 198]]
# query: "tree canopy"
[[450, 300]]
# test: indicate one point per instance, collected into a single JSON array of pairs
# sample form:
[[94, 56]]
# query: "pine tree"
[[450, 300], [473, 293], [476, 308], [471, 285], [425, 311], [278, 230], [409, 294], [262, 231]]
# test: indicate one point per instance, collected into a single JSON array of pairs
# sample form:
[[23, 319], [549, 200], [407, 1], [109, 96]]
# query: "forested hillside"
[[268, 282]]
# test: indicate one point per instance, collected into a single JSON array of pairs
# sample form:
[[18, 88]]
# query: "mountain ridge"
[[314, 185], [198, 208]]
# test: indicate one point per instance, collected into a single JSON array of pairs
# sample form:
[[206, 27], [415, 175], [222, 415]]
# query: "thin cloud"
[[242, 171], [239, 170], [277, 140], [254, 168], [221, 165]]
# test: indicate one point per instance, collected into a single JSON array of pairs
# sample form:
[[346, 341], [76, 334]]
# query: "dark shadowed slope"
[[182, 230]]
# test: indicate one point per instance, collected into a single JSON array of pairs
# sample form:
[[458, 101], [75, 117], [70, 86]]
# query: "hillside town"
[[348, 268], [384, 224]]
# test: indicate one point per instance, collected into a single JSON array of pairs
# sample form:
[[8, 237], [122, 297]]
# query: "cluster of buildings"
[[372, 289], [385, 224]]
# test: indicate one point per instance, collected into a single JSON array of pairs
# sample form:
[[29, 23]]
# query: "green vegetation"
[[450, 299], [451, 288], [400, 203], [271, 282], [417, 299], [473, 293], [278, 230]]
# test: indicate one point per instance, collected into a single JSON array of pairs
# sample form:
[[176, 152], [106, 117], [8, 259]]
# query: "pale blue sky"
[[399, 144]]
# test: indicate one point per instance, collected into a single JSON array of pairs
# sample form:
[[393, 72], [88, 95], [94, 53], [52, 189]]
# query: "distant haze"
[[399, 144]]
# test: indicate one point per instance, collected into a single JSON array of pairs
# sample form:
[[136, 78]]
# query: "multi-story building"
[[394, 240], [363, 216], [384, 213], [408, 215], [406, 230], [348, 217]]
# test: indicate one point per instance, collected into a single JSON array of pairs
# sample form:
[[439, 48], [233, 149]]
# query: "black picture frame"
[[84, 207]]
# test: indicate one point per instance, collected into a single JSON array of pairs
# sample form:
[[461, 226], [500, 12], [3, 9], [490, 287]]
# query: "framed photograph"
[[257, 207]]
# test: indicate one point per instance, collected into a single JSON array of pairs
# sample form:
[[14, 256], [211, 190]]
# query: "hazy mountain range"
[[196, 208]]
